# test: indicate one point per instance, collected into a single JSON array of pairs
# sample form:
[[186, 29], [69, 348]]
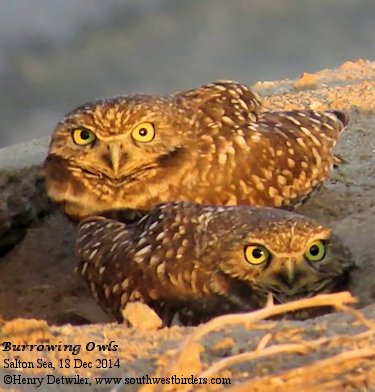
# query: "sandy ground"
[[38, 282]]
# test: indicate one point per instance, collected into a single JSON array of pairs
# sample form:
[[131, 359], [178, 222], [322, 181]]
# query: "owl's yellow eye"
[[83, 136], [144, 132], [316, 251], [256, 254]]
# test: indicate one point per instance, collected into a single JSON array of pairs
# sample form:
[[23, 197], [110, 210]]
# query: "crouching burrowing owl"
[[208, 259], [209, 145]]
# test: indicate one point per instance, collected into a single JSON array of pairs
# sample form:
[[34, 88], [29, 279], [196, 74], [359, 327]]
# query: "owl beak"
[[115, 156], [290, 271], [287, 276]]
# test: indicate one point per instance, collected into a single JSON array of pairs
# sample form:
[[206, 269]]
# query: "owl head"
[[104, 153], [279, 252]]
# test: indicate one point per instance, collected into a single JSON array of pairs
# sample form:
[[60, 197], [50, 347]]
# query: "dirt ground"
[[41, 298]]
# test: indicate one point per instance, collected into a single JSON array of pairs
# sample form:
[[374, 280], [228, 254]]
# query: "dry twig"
[[310, 377], [175, 364]]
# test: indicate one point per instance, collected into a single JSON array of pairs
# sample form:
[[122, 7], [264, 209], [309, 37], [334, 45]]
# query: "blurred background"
[[57, 54]]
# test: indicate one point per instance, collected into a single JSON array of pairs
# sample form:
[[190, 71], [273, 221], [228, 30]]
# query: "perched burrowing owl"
[[208, 145], [208, 259]]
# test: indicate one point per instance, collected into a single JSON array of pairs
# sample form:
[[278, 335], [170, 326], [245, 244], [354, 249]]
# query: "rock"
[[307, 80], [140, 316], [23, 201]]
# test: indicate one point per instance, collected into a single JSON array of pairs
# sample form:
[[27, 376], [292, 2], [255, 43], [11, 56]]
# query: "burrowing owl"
[[208, 145], [208, 259]]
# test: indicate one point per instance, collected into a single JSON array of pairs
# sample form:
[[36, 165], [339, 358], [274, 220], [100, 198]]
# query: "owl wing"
[[340, 115], [223, 102], [280, 159], [102, 246]]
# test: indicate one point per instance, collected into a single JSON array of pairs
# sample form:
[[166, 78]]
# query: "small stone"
[[224, 344], [307, 80], [141, 316], [316, 105]]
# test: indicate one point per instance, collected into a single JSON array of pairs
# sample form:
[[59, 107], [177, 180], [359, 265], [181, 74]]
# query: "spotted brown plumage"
[[211, 145], [208, 259]]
